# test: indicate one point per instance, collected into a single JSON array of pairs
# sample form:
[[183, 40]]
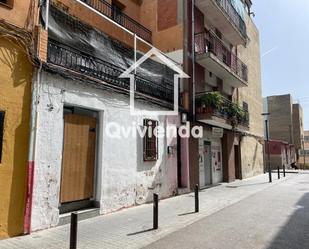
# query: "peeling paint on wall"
[[123, 178]]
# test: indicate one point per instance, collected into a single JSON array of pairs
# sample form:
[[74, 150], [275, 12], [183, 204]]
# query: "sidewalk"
[[131, 228]]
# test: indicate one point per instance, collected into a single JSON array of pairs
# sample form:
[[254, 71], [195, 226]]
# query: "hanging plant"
[[236, 114], [213, 100]]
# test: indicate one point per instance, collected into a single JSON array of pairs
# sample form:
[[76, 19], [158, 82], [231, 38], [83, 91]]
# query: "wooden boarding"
[[77, 177]]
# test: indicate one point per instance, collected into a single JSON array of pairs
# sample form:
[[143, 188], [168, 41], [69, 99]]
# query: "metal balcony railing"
[[214, 104], [227, 7], [78, 61], [208, 42], [124, 20]]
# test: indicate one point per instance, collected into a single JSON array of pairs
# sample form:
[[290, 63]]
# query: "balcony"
[[222, 15], [120, 18], [217, 58], [213, 109], [69, 58]]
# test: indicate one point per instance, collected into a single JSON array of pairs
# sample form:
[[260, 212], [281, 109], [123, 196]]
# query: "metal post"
[[278, 172], [304, 153], [268, 150], [283, 170], [197, 208], [193, 55], [155, 211], [73, 231]]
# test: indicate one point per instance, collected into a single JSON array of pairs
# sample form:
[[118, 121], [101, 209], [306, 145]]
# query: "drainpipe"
[[193, 58], [32, 139], [31, 155], [47, 15]]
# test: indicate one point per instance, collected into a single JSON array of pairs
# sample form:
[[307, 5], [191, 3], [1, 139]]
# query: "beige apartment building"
[[304, 154], [285, 121], [227, 92], [298, 126]]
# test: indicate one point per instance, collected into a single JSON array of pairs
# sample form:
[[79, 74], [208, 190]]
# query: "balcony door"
[[117, 9], [205, 166]]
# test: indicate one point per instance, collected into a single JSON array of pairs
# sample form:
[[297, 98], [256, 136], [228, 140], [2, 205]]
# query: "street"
[[244, 214], [275, 218]]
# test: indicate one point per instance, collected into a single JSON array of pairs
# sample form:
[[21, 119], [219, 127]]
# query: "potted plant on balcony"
[[235, 114], [242, 117], [212, 101]]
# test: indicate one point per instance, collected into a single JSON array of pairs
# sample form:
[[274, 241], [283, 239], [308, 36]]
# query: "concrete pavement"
[[275, 218], [131, 228]]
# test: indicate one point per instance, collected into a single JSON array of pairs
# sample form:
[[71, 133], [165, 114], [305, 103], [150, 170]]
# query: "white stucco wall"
[[123, 178]]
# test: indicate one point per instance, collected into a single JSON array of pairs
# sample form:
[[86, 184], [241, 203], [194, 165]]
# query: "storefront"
[[210, 158]]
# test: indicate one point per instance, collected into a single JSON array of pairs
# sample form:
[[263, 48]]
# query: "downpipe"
[[31, 155], [193, 58], [32, 138]]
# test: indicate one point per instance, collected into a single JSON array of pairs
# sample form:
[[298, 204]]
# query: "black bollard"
[[269, 173], [283, 170], [155, 211], [197, 208], [73, 231], [278, 172]]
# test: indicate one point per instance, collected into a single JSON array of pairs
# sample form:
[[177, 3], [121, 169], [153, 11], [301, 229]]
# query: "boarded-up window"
[[1, 132], [150, 140]]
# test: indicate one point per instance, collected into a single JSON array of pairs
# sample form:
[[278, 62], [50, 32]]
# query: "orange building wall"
[[144, 12], [19, 14], [15, 95]]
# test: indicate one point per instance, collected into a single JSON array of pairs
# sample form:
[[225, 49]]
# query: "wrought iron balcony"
[[232, 14], [124, 20], [213, 108], [209, 45], [80, 62], [222, 15]]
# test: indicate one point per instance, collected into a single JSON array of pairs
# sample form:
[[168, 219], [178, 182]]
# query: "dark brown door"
[[77, 179], [237, 162]]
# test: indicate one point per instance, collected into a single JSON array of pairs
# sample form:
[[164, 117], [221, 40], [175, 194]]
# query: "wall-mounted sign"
[[217, 132]]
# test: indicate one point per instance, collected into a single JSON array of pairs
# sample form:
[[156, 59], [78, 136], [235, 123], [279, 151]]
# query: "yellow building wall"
[[15, 96]]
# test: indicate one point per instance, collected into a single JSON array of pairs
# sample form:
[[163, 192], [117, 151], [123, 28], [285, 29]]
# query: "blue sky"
[[284, 34]]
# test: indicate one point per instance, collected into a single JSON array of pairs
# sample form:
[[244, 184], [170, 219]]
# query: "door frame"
[[238, 166], [206, 142], [179, 163], [94, 201]]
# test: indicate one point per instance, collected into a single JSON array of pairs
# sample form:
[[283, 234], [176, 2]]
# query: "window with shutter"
[[150, 141]]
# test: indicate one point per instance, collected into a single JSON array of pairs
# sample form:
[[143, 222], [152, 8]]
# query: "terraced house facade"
[[16, 68], [82, 49], [225, 91]]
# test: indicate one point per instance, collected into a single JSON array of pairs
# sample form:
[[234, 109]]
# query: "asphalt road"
[[275, 218]]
